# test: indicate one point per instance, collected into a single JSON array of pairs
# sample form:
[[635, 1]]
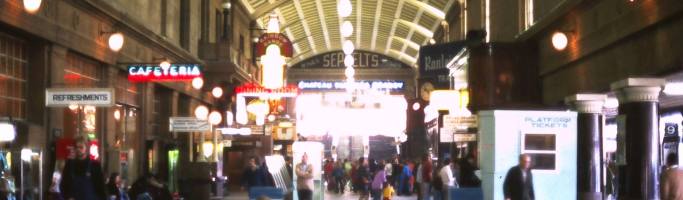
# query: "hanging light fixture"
[[349, 60], [348, 47], [346, 29], [344, 8], [349, 72], [273, 24]]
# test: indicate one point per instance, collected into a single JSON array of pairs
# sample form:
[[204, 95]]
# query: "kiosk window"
[[542, 149]]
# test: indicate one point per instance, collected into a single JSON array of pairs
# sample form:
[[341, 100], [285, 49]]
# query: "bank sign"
[[433, 60], [391, 85], [154, 72], [63, 97]]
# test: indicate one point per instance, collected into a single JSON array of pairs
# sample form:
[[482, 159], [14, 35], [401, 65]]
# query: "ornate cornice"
[[639, 94], [587, 103]]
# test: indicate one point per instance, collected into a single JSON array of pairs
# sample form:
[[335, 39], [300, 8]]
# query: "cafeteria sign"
[[63, 97], [154, 72]]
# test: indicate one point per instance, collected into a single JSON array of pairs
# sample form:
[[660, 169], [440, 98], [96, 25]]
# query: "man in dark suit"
[[518, 183]]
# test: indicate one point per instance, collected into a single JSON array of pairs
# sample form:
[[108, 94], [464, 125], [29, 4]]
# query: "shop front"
[[347, 117]]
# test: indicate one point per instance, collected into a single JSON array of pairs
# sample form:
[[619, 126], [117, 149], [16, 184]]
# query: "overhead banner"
[[154, 72], [342, 85], [64, 97], [277, 39], [362, 59], [433, 60], [188, 124]]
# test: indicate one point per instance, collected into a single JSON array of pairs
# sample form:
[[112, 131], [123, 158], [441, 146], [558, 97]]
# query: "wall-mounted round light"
[[560, 41], [432, 41], [348, 47], [416, 106], [346, 29], [197, 83], [349, 60], [73, 107], [165, 65], [227, 5], [256, 39], [201, 112], [344, 8], [271, 118], [217, 92], [116, 41], [215, 118], [117, 115], [32, 6]]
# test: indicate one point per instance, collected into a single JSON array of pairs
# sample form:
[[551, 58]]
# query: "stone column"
[[589, 144], [638, 137]]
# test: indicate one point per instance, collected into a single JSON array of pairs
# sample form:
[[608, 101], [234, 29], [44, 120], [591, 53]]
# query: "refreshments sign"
[[154, 72], [63, 97]]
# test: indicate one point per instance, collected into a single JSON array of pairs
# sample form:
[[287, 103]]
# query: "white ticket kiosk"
[[549, 137]]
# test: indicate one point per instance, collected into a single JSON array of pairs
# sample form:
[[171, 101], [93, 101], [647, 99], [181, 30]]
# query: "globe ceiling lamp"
[[344, 8]]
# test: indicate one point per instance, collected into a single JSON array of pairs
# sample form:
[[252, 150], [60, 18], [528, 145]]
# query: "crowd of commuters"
[[382, 179], [82, 179]]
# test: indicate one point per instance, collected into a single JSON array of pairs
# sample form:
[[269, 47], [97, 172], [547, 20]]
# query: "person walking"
[[115, 188], [364, 177], [82, 177], [338, 174], [518, 184], [149, 187], [425, 177], [304, 181], [447, 178], [671, 186], [253, 175], [378, 182], [388, 192], [404, 185]]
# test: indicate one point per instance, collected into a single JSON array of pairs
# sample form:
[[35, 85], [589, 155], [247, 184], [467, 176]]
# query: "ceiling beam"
[[431, 10], [264, 10], [399, 10], [304, 23], [323, 23], [378, 11], [409, 43], [410, 34], [417, 27], [358, 29]]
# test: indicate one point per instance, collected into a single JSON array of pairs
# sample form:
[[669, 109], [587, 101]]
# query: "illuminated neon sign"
[[342, 85], [154, 72], [255, 90]]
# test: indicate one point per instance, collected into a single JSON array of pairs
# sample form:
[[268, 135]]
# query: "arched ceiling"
[[396, 28]]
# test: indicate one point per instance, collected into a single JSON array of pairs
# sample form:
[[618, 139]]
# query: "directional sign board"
[[188, 124], [459, 123]]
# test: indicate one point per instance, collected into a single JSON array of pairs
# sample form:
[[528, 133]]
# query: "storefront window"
[[81, 72], [542, 149], [13, 64]]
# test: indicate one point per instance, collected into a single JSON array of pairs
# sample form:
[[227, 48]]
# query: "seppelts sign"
[[63, 97], [154, 72], [362, 59]]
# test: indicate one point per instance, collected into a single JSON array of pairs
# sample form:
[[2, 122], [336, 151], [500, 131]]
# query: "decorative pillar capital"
[[587, 103], [638, 89]]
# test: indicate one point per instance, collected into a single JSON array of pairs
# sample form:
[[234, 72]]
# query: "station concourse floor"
[[328, 196]]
